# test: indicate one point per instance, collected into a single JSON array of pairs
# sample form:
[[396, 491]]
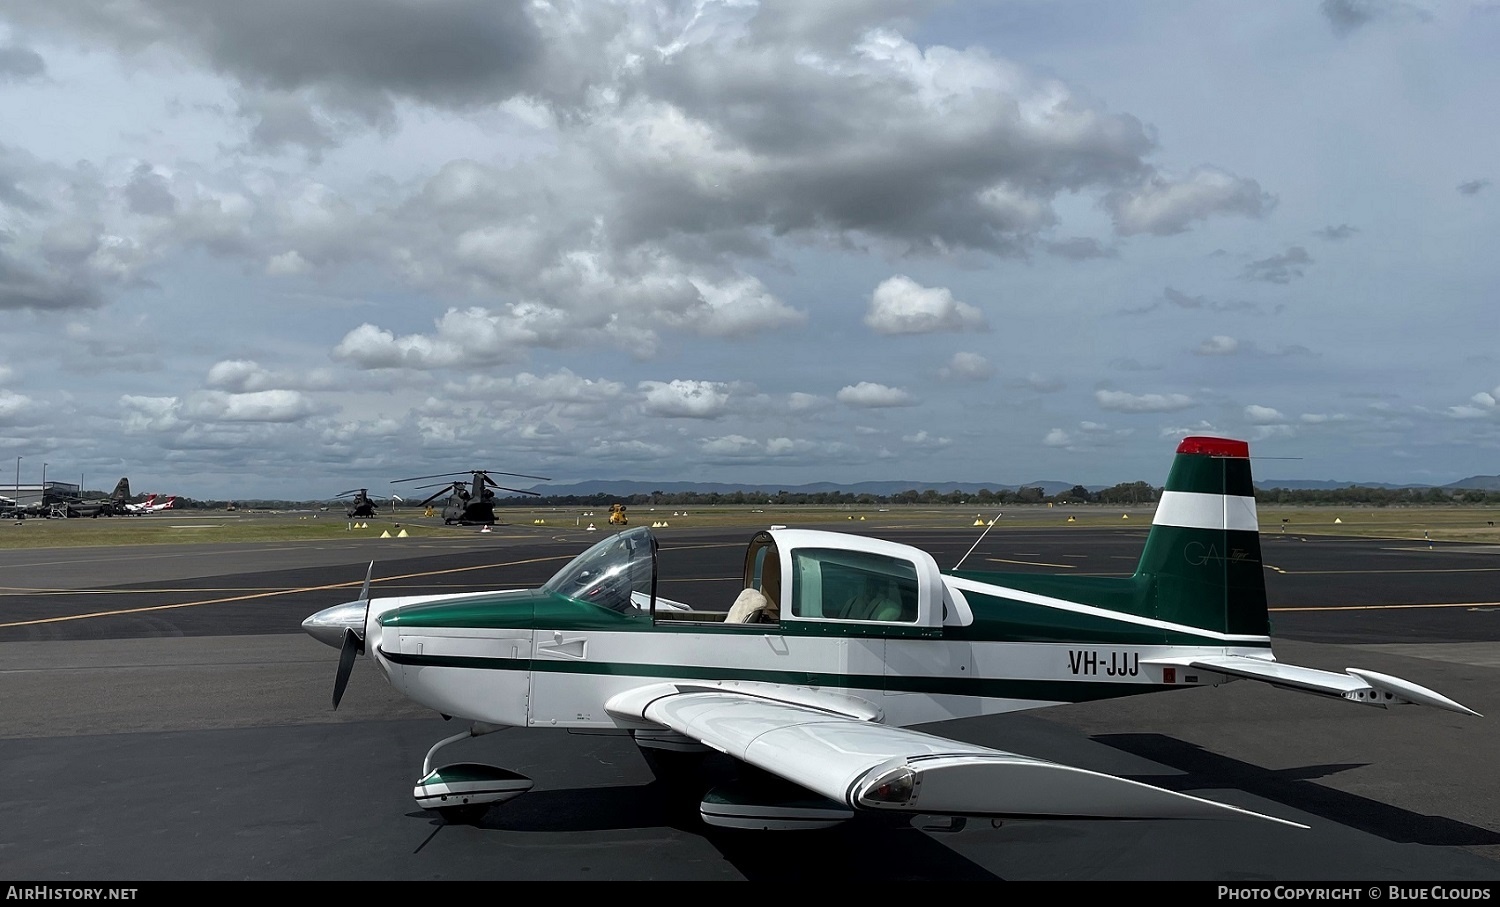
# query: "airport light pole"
[[44, 480], [18, 481]]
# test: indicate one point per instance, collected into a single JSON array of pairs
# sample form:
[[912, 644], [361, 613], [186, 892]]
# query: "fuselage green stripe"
[[998, 688]]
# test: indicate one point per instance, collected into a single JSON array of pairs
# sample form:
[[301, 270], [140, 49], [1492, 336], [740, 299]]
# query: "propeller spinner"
[[343, 627]]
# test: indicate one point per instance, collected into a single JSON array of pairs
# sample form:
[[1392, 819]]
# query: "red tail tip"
[[1215, 447]]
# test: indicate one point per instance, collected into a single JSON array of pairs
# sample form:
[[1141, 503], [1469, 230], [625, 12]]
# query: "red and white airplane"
[[150, 506], [142, 507], [153, 507]]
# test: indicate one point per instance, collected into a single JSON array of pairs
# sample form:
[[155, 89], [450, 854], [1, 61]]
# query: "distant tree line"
[[1378, 497], [1123, 494], [1138, 491]]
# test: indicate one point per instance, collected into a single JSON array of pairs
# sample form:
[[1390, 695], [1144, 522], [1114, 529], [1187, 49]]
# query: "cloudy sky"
[[286, 248]]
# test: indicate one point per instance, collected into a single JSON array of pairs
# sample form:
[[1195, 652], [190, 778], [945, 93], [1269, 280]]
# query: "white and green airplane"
[[837, 648]]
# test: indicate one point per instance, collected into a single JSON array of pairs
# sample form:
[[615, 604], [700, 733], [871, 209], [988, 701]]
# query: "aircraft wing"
[[1355, 684], [833, 745]]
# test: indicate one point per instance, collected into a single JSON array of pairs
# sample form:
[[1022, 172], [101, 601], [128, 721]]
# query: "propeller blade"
[[364, 591], [347, 653]]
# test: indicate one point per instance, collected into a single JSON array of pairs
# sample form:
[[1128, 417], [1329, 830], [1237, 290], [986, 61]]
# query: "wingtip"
[[1411, 692]]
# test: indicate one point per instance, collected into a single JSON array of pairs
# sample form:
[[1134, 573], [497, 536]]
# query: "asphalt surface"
[[164, 718]]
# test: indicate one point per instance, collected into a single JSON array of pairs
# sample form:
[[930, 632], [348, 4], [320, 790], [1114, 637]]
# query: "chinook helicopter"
[[360, 505], [472, 503]]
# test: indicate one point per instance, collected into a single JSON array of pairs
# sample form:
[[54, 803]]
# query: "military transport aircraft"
[[73, 507], [474, 504], [360, 505], [836, 648]]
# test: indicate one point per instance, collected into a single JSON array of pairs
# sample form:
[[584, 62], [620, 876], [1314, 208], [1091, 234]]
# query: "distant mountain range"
[[627, 487], [584, 489], [1477, 483]]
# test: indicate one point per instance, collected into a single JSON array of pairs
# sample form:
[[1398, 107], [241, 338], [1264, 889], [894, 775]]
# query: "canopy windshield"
[[618, 573]]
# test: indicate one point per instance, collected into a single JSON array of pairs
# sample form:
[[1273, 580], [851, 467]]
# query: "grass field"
[[1436, 522]]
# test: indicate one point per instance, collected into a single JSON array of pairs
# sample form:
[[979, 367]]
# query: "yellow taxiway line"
[[1001, 560], [239, 598], [1386, 607]]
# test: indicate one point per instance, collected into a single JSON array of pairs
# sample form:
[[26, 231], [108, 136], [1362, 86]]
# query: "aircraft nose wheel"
[[461, 793]]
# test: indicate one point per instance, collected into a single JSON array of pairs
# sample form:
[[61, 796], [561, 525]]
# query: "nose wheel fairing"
[[468, 784], [462, 791]]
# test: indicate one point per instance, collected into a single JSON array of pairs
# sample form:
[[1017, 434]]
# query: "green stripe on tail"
[[1201, 566]]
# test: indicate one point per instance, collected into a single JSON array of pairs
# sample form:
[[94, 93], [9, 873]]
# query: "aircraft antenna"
[[986, 532]]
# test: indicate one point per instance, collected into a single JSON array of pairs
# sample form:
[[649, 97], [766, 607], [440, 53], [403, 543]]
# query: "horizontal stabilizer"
[[1355, 684]]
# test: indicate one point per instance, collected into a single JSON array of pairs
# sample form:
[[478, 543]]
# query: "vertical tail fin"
[[121, 493], [1202, 557]]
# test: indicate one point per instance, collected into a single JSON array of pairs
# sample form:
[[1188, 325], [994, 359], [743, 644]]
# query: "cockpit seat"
[[752, 607], [879, 600]]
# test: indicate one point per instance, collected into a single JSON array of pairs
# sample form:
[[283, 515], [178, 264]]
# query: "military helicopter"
[[360, 505], [472, 503]]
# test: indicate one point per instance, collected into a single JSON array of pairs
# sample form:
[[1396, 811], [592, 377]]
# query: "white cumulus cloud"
[[1163, 206], [149, 414], [685, 398], [900, 305], [259, 406], [13, 404], [1480, 406], [1218, 345], [968, 367], [869, 394], [799, 402], [1121, 401]]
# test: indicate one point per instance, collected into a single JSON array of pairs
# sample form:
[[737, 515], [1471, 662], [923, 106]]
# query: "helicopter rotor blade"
[[535, 494], [431, 499], [441, 475]]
